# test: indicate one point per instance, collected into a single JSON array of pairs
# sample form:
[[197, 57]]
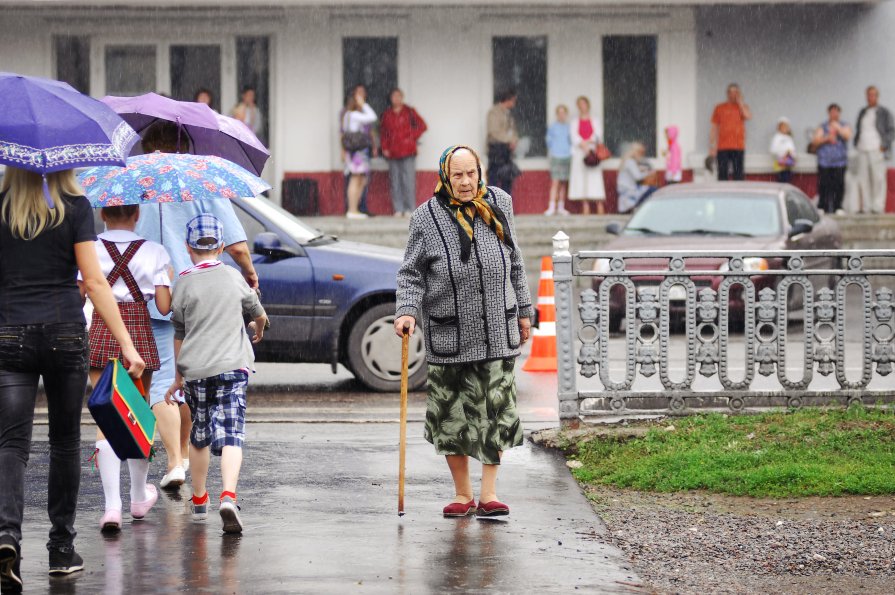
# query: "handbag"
[[597, 155], [122, 413], [356, 141], [787, 162]]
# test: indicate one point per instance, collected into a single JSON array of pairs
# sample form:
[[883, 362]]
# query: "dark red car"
[[731, 216]]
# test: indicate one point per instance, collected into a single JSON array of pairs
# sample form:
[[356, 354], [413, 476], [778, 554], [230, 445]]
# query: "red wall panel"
[[530, 190]]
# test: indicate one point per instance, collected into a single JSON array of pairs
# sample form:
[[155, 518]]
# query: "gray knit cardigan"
[[469, 311]]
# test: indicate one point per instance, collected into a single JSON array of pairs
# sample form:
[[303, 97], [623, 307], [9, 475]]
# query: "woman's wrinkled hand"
[[524, 329], [405, 322]]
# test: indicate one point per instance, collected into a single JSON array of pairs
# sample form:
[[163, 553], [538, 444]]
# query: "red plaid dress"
[[135, 315]]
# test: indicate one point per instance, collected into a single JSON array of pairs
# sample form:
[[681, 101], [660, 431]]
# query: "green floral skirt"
[[471, 409]]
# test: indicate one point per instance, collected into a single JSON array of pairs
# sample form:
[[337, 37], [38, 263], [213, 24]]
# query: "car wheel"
[[374, 351]]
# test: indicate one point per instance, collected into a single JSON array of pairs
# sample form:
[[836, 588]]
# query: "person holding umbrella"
[[463, 277], [165, 224], [171, 126], [46, 238], [150, 181]]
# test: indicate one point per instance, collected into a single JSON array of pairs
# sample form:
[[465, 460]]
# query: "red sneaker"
[[456, 509], [493, 508]]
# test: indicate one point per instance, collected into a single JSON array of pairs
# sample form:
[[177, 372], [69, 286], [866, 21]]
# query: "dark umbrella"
[[205, 132], [47, 126]]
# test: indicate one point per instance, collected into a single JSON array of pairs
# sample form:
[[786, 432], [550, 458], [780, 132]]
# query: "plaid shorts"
[[218, 408]]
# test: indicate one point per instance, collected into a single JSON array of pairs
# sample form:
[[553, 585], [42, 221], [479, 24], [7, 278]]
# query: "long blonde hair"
[[25, 208]]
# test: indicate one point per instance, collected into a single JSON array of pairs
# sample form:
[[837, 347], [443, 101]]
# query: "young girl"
[[673, 164], [138, 271], [783, 150], [559, 148]]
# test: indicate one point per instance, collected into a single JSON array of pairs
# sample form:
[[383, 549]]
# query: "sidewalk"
[[320, 509]]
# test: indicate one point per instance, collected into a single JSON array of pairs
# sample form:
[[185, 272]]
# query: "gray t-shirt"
[[207, 311]]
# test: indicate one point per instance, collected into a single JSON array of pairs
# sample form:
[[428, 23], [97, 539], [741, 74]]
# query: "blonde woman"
[[586, 182], [636, 179], [46, 238]]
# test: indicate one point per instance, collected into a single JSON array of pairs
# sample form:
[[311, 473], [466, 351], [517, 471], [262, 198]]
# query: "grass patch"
[[809, 452]]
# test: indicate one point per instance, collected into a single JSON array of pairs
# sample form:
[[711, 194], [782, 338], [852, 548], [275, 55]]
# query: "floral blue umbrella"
[[168, 177], [47, 126]]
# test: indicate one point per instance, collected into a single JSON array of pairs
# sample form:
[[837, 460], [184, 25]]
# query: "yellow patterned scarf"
[[464, 213]]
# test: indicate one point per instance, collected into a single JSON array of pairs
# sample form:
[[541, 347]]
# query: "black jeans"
[[730, 160], [830, 188], [58, 352]]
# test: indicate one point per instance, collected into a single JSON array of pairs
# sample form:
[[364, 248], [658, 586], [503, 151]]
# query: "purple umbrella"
[[205, 132], [47, 126]]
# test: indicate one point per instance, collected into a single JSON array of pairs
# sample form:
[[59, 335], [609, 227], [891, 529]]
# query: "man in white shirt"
[[875, 132]]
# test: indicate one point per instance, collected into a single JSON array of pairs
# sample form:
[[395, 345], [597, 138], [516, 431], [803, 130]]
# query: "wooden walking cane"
[[405, 342]]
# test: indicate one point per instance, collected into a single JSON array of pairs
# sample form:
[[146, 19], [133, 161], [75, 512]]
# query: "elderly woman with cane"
[[463, 279]]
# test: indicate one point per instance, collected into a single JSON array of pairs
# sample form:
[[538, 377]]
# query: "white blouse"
[[150, 266], [355, 121]]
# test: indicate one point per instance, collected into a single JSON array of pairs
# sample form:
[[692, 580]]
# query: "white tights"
[[110, 472]]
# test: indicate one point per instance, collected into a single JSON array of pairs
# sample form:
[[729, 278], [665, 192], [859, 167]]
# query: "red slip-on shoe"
[[493, 508], [455, 509]]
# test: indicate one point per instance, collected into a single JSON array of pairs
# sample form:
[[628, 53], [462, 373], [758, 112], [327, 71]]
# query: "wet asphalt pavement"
[[319, 502]]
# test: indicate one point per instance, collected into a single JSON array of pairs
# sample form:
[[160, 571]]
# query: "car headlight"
[[751, 264], [601, 265]]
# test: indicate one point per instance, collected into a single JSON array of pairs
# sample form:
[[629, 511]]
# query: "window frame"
[[495, 88], [163, 45], [359, 24]]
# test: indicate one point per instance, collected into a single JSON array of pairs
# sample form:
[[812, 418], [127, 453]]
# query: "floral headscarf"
[[464, 213]]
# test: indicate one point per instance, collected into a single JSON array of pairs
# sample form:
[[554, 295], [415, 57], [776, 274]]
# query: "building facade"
[[643, 66]]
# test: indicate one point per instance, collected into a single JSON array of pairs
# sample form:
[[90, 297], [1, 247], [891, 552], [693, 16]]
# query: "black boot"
[[10, 558], [64, 560]]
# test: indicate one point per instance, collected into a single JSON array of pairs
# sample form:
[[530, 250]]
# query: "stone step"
[[587, 232]]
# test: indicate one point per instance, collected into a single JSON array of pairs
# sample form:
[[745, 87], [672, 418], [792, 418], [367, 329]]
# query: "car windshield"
[[288, 222], [731, 214]]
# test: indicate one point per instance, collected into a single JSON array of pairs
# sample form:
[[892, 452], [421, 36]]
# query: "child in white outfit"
[[138, 271]]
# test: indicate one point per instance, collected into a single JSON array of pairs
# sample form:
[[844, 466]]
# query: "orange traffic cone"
[[543, 344]]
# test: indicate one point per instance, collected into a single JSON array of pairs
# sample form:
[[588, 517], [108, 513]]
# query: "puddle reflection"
[[471, 562]]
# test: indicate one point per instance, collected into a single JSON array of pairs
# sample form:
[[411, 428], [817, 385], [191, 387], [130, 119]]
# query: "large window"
[[373, 63], [195, 67], [73, 61], [629, 91], [520, 63], [130, 69], [253, 69]]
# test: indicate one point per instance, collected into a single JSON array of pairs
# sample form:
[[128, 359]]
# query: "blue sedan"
[[329, 301]]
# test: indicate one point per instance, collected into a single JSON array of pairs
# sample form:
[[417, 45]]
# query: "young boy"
[[559, 148], [213, 358]]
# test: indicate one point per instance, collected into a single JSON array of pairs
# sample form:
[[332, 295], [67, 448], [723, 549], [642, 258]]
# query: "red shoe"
[[493, 508], [456, 509]]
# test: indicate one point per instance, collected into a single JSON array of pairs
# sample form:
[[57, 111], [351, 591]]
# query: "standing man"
[[502, 139], [247, 111], [727, 142], [874, 134], [400, 129]]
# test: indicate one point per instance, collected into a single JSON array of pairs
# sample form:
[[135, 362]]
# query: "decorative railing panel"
[[659, 294]]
